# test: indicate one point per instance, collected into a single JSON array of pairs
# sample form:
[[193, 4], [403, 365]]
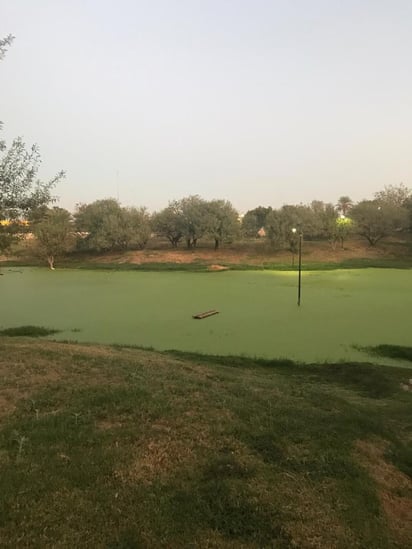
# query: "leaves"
[[4, 44], [107, 226], [376, 219]]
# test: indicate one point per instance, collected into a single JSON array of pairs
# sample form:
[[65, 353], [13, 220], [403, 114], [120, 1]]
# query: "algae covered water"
[[258, 314]]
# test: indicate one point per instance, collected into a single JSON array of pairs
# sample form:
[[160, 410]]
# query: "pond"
[[258, 314]]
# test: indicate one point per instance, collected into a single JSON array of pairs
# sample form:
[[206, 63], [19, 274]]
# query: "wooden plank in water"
[[206, 314]]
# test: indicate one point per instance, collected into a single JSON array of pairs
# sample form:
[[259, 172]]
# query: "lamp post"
[[294, 231]]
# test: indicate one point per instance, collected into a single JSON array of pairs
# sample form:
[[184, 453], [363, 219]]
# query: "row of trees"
[[193, 218], [105, 225], [389, 212]]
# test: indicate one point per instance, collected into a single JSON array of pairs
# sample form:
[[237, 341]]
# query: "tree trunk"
[[216, 243], [50, 261]]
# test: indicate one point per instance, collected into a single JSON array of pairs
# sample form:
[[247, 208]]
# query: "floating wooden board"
[[199, 316]]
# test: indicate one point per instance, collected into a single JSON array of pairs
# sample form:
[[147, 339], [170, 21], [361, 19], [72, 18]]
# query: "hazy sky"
[[262, 102]]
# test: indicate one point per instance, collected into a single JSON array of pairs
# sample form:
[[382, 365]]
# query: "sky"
[[260, 102]]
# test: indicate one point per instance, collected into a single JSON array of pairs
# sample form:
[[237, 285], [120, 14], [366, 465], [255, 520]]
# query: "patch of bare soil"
[[394, 488], [257, 254], [217, 268], [185, 256]]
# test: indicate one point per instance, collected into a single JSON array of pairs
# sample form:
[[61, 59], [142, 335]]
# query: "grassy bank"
[[89, 263], [243, 255], [122, 448]]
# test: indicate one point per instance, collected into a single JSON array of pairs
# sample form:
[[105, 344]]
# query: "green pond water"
[[258, 315]]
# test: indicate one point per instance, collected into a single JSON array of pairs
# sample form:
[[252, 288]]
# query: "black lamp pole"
[[300, 269]]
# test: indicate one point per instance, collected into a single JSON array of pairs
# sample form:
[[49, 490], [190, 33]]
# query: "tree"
[[195, 219], [344, 205], [375, 220], [343, 228], [408, 207], [274, 228], [21, 191], [54, 234], [279, 225], [323, 222], [395, 195], [296, 220], [169, 223], [333, 227], [254, 220], [4, 44], [137, 228], [223, 221], [283, 226], [101, 221], [107, 226]]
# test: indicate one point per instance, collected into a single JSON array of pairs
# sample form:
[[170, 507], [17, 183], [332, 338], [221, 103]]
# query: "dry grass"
[[394, 487], [179, 452], [256, 254]]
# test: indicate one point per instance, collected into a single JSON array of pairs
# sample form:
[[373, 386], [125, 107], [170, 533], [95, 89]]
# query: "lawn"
[[342, 310], [124, 448]]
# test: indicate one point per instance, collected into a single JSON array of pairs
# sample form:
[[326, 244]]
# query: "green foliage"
[[192, 218], [343, 228], [137, 229], [106, 226], [375, 219], [101, 223], [408, 206], [344, 205], [222, 222], [283, 226], [170, 223], [195, 213], [54, 234], [274, 228], [395, 195], [254, 220], [21, 191]]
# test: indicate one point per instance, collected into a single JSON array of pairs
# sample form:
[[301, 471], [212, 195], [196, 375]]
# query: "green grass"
[[258, 315], [91, 262], [28, 331], [392, 351], [120, 447], [353, 263], [194, 267]]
